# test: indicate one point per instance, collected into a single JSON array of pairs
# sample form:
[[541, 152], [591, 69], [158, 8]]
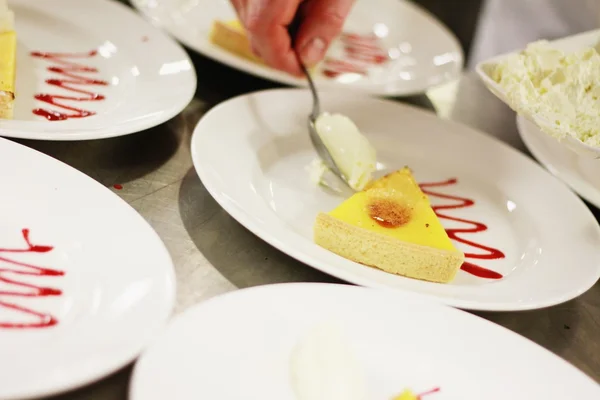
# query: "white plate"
[[115, 275], [238, 346], [418, 51], [254, 166], [145, 77], [579, 172]]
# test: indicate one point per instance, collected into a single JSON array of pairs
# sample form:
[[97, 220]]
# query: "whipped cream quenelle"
[[354, 155], [323, 366], [561, 91]]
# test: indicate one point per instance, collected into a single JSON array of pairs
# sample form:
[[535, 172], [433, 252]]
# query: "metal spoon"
[[316, 140]]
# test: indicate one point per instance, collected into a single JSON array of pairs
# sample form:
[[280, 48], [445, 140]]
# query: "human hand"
[[266, 22]]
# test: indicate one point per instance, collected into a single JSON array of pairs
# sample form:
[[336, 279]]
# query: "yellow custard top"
[[8, 44], [395, 206], [407, 395]]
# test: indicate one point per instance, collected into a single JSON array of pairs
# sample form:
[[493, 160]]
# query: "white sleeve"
[[507, 25]]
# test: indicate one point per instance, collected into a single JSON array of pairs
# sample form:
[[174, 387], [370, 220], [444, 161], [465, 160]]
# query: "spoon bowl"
[[315, 138]]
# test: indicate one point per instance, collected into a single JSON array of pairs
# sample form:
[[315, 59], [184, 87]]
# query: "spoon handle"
[[293, 29]]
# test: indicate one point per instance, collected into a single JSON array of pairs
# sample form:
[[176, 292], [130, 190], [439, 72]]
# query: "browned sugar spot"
[[389, 213]]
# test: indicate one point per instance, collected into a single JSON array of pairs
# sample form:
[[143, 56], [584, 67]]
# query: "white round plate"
[[85, 283], [389, 47], [254, 165], [580, 173], [239, 345], [98, 49]]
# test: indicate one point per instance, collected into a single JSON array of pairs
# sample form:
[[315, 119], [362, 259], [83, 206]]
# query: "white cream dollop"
[[353, 154], [323, 366], [560, 92]]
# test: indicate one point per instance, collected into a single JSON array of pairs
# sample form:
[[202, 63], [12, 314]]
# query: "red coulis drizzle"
[[72, 81], [9, 267], [361, 52], [427, 393], [489, 252]]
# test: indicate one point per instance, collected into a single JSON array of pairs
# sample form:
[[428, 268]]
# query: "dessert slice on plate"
[[231, 36], [407, 395], [391, 226], [8, 46]]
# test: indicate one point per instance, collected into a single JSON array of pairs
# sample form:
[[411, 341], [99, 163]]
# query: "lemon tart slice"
[[231, 36], [8, 46], [391, 226], [407, 395]]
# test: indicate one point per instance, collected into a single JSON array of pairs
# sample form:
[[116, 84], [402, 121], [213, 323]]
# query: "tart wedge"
[[8, 47], [391, 226], [231, 36]]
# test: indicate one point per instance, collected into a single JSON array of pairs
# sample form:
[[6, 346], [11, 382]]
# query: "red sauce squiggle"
[[427, 393], [9, 271], [360, 53], [489, 253], [72, 81], [364, 48]]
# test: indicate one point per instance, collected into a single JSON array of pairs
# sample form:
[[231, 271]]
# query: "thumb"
[[322, 22]]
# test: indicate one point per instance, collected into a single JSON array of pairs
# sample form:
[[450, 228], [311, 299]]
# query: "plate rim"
[[266, 73], [107, 129], [253, 226], [169, 285], [416, 300]]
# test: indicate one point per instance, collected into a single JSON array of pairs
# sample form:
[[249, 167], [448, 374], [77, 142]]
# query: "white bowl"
[[568, 44]]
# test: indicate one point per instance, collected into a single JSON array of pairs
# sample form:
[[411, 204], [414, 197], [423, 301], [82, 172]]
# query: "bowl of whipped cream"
[[555, 85]]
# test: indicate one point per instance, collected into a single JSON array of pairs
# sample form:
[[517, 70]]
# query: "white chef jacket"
[[507, 25]]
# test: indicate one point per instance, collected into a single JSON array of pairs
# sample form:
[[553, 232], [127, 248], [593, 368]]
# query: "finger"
[[277, 51], [266, 22], [240, 9], [323, 21]]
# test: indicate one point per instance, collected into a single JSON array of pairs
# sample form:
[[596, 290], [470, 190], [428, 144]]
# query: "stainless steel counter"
[[213, 254]]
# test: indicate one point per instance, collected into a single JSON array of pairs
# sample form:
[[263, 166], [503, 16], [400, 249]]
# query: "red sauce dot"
[[118, 186]]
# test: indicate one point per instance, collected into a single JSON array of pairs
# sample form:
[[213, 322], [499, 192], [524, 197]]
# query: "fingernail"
[[314, 51]]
